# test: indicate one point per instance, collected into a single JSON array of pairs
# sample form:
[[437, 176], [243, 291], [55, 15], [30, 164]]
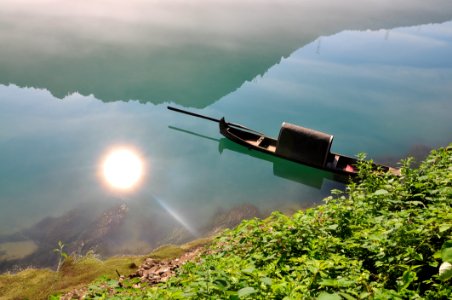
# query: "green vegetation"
[[62, 256], [386, 237]]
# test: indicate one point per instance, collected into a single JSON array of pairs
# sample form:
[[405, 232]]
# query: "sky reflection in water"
[[380, 92]]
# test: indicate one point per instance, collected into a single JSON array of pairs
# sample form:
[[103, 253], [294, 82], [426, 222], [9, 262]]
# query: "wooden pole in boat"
[[209, 118], [193, 114]]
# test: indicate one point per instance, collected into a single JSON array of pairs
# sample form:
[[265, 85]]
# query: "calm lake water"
[[78, 79]]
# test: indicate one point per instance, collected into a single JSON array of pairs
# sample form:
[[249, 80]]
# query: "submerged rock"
[[232, 217], [80, 230], [418, 151], [119, 229], [102, 229], [16, 250]]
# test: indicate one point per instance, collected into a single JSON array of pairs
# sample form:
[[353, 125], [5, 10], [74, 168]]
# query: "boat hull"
[[336, 163]]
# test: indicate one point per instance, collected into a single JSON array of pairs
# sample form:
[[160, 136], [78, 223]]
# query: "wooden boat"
[[295, 143]]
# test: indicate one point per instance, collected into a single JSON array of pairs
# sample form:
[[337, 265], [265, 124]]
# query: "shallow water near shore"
[[378, 79]]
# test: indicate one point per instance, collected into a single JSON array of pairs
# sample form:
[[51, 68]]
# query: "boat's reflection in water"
[[281, 167], [287, 169]]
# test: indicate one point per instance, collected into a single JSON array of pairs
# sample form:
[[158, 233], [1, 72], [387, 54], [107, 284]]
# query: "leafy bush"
[[384, 237]]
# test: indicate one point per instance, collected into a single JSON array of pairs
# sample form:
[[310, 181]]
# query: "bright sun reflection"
[[122, 168]]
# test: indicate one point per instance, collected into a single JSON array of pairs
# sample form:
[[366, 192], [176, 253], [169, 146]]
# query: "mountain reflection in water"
[[191, 53]]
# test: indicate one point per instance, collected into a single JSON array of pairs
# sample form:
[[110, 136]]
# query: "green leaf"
[[328, 296], [248, 270], [446, 251], [347, 296], [444, 227], [342, 282], [437, 254], [246, 292], [381, 192], [407, 278], [221, 282], [267, 281], [333, 227], [328, 282]]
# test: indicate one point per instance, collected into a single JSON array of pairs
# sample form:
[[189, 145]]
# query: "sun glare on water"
[[122, 168]]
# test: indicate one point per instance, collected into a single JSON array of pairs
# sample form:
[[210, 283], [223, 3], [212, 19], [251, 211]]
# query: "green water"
[[79, 79]]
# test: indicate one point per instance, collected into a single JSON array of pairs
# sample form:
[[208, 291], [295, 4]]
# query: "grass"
[[79, 272], [173, 251], [41, 283]]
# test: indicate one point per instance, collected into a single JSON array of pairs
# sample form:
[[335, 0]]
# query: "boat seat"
[[303, 144], [335, 161]]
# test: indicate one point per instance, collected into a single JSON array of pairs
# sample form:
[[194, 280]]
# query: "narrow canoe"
[[295, 143], [299, 144]]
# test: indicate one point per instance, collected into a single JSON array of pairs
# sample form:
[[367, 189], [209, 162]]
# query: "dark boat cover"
[[303, 144]]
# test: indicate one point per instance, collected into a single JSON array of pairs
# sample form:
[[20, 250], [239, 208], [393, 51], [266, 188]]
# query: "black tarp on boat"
[[303, 144]]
